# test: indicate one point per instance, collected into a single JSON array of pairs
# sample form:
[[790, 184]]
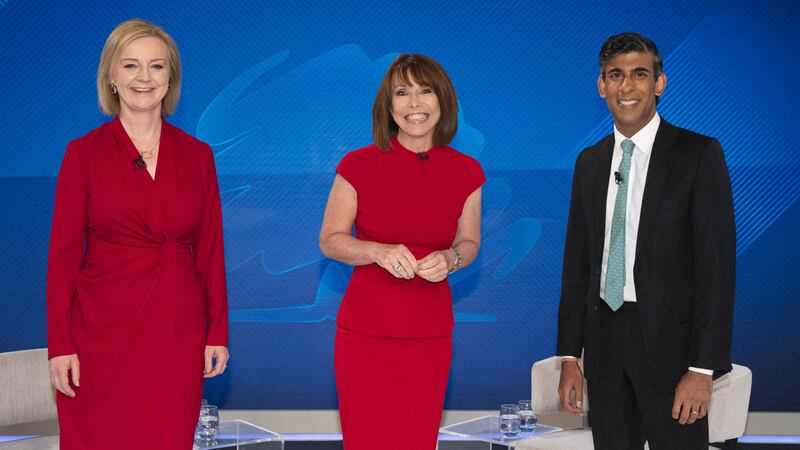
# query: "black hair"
[[625, 43]]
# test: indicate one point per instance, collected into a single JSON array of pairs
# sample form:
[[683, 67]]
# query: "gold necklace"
[[147, 154]]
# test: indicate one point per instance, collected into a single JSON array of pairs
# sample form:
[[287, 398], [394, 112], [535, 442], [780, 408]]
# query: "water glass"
[[208, 425], [527, 416], [203, 402], [509, 420]]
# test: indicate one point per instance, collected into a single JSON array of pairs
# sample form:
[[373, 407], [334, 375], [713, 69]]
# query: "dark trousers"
[[626, 408]]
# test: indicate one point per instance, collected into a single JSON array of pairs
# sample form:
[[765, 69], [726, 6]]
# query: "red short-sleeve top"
[[410, 199]]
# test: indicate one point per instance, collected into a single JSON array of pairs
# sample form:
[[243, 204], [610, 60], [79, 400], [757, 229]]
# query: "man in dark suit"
[[649, 267]]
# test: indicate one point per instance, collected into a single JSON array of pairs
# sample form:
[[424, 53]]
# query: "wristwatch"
[[457, 263]]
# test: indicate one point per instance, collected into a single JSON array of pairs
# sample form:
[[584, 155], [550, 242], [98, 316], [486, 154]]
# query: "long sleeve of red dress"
[[210, 259], [66, 251]]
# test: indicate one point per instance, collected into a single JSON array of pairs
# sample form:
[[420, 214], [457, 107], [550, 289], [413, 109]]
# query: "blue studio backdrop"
[[282, 90]]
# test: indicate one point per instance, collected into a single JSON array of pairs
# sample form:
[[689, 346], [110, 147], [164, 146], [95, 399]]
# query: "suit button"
[[594, 307], [597, 271]]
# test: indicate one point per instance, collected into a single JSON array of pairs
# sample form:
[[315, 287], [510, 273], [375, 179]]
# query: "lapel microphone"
[[423, 156], [618, 178], [139, 162]]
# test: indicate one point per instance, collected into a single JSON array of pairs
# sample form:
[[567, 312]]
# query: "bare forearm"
[[468, 249], [343, 247]]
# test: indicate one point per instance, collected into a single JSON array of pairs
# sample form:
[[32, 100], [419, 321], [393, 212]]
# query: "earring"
[[113, 89]]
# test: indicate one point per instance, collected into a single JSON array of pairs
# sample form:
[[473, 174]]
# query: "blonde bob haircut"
[[124, 34], [424, 71]]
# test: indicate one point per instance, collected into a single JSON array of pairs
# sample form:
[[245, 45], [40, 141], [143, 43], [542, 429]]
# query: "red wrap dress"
[[135, 287], [393, 340]]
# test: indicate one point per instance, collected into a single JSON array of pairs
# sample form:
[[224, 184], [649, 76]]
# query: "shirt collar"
[[643, 139]]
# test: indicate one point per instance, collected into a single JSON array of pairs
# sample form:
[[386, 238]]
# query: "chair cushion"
[[27, 395]]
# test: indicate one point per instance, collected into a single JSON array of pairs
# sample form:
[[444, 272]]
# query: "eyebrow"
[[636, 69], [137, 60], [407, 86]]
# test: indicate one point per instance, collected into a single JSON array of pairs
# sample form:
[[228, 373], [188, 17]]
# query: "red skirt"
[[391, 390]]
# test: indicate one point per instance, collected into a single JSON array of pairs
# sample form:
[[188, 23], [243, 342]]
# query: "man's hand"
[[691, 397], [571, 383]]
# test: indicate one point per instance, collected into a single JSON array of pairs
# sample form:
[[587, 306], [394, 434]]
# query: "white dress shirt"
[[640, 162]]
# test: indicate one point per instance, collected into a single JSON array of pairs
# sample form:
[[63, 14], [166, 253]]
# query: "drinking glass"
[[527, 416], [208, 425], [203, 402], [509, 420]]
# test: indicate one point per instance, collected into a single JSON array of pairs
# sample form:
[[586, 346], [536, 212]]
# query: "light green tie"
[[615, 271]]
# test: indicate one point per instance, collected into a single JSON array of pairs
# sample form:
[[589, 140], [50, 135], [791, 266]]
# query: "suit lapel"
[[656, 178], [599, 193]]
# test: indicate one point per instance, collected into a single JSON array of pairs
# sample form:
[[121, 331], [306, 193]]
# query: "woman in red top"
[[416, 207], [136, 302]]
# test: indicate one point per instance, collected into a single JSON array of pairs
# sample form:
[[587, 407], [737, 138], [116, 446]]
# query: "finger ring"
[[694, 413], [397, 267]]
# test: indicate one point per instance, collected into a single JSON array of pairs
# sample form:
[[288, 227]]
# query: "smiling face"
[[415, 110], [141, 75], [630, 88]]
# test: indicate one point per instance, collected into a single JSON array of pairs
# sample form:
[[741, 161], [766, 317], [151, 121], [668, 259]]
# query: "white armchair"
[[545, 375], [26, 395]]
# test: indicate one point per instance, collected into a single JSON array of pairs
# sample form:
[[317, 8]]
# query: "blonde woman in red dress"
[[416, 207], [136, 300]]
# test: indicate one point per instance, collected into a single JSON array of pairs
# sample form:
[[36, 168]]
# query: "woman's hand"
[[435, 266], [60, 367], [397, 260], [216, 360]]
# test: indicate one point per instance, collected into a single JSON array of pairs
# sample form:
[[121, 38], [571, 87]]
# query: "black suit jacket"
[[685, 264]]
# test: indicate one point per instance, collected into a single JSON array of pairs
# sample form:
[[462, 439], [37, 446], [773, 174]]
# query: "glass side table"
[[486, 430], [238, 434]]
